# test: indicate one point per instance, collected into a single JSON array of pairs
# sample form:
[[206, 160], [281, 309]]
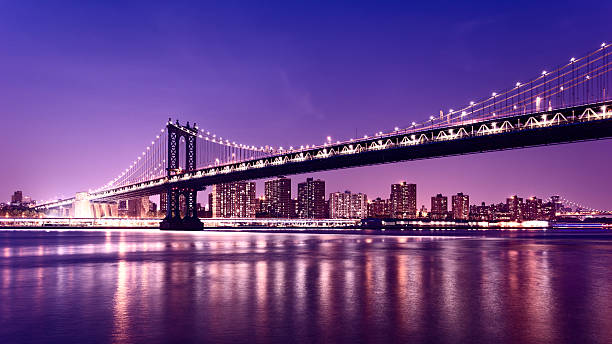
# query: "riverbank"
[[476, 232]]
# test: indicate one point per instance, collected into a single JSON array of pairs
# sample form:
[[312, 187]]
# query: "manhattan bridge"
[[570, 103]]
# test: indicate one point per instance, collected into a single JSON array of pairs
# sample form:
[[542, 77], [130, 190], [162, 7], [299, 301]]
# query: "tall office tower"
[[532, 209], [439, 207], [311, 199], [278, 197], [340, 205], [461, 206], [403, 201], [515, 208], [234, 200]]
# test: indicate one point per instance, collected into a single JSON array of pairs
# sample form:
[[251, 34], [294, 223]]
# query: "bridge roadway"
[[573, 124]]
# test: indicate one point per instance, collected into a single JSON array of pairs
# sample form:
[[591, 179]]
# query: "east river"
[[135, 287]]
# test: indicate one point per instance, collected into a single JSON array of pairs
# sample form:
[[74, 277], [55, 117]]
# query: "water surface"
[[128, 287]]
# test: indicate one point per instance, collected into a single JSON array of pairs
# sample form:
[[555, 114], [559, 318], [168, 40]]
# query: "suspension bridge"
[[570, 103]]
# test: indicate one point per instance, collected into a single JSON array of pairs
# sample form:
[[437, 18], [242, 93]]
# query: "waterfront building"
[[163, 203], [532, 209], [234, 200], [138, 207], [346, 205], [339, 205], [379, 208], [549, 211], [403, 200], [311, 199], [481, 212], [439, 207], [515, 208], [294, 208], [17, 198], [277, 198], [359, 206], [423, 213], [461, 206]]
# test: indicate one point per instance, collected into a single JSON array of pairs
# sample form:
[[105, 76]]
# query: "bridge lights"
[[493, 94], [518, 84], [396, 128], [472, 103], [603, 45], [413, 124], [544, 73], [572, 60]]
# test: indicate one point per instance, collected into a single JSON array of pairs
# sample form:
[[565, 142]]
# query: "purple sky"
[[85, 87]]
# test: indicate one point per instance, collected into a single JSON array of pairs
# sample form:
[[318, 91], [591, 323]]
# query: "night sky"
[[85, 86]]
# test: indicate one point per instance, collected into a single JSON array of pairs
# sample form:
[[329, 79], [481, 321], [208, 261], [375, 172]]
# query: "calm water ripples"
[[133, 287]]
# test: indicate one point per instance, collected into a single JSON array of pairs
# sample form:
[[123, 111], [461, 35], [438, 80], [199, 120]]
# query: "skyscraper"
[[461, 206], [439, 207], [533, 209], [515, 208], [403, 201], [278, 197], [234, 200], [311, 199]]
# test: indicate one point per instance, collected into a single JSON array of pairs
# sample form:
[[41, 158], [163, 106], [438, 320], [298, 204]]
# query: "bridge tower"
[[173, 218]]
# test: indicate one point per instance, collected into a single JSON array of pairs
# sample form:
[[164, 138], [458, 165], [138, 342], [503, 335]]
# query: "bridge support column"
[[173, 220]]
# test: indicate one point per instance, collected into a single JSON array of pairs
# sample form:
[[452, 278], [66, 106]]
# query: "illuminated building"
[[481, 212], [278, 198], [345, 205], [340, 205], [515, 208], [379, 208], [311, 199], [461, 206], [138, 207], [403, 201], [439, 207], [16, 198], [163, 203], [359, 206], [532, 209], [234, 200]]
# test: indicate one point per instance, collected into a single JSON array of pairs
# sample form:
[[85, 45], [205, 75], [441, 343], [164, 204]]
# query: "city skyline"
[[305, 89]]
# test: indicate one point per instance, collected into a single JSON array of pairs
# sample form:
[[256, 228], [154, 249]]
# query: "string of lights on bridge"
[[576, 205], [564, 86]]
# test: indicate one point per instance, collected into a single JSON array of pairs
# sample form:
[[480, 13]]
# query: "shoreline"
[[408, 232]]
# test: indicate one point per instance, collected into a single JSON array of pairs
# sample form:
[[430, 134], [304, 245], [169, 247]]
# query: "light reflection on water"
[[126, 287]]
